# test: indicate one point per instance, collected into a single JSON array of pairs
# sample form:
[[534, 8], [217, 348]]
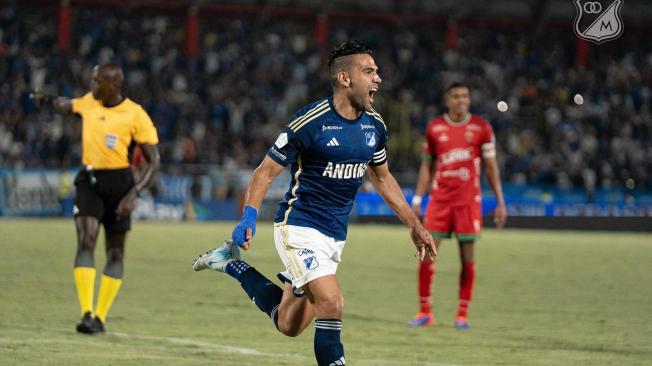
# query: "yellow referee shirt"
[[107, 132]]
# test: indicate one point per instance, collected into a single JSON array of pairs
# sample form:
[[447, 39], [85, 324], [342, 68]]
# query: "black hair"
[[456, 84], [347, 48]]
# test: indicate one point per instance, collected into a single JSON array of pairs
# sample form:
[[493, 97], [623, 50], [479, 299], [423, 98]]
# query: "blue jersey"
[[329, 155]]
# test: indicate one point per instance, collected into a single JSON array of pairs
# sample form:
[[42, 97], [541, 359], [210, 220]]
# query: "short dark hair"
[[455, 84], [347, 48]]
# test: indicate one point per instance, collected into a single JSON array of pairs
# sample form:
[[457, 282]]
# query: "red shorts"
[[442, 220]]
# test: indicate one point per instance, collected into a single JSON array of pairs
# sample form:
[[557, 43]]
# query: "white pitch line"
[[202, 345], [18, 342], [207, 345]]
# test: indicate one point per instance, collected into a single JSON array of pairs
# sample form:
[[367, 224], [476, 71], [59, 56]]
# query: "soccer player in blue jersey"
[[329, 144]]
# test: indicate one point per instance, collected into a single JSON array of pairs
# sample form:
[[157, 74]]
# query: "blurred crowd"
[[226, 105]]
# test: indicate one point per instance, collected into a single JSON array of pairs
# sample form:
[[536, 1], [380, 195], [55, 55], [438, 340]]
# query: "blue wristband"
[[248, 220]]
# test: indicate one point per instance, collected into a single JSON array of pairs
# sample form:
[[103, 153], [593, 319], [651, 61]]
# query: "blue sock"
[[328, 347], [265, 294]]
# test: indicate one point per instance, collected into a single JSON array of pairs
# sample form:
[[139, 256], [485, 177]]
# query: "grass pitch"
[[542, 298]]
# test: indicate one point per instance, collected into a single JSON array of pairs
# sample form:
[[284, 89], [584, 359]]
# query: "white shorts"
[[306, 253]]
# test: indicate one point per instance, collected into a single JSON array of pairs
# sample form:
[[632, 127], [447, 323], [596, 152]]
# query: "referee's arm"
[[61, 105], [128, 203]]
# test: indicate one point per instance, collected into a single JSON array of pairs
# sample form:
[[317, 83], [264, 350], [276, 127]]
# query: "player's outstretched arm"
[[261, 180], [128, 202], [60, 105], [422, 185], [493, 176], [385, 184]]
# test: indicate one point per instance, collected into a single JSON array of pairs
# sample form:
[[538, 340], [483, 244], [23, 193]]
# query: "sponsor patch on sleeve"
[[278, 154], [282, 140]]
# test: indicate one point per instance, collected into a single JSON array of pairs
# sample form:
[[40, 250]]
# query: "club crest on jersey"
[[468, 136], [282, 140], [311, 262], [110, 141], [370, 138]]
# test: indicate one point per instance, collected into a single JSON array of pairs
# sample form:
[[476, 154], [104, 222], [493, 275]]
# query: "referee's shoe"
[[89, 324]]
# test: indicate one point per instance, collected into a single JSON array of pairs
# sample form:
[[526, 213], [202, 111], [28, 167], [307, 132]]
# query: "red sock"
[[426, 274], [467, 277]]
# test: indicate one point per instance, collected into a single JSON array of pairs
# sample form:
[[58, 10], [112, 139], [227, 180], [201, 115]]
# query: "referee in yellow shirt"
[[106, 189]]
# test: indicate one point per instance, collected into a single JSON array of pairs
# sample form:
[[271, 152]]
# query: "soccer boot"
[[85, 324], [462, 323], [217, 259], [422, 320], [98, 326]]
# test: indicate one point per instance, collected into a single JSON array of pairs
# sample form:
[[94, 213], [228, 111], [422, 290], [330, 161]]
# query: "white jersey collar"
[[460, 123]]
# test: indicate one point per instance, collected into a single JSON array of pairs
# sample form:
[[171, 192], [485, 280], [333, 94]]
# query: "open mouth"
[[372, 92]]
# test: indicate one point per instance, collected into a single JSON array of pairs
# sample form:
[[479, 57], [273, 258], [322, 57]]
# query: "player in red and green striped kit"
[[457, 144]]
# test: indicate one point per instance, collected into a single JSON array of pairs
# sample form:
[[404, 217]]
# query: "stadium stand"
[[250, 73]]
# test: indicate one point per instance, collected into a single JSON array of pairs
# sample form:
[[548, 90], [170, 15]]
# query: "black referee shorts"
[[98, 194]]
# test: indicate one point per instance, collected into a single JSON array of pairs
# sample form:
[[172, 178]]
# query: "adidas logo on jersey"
[[333, 142], [345, 171]]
